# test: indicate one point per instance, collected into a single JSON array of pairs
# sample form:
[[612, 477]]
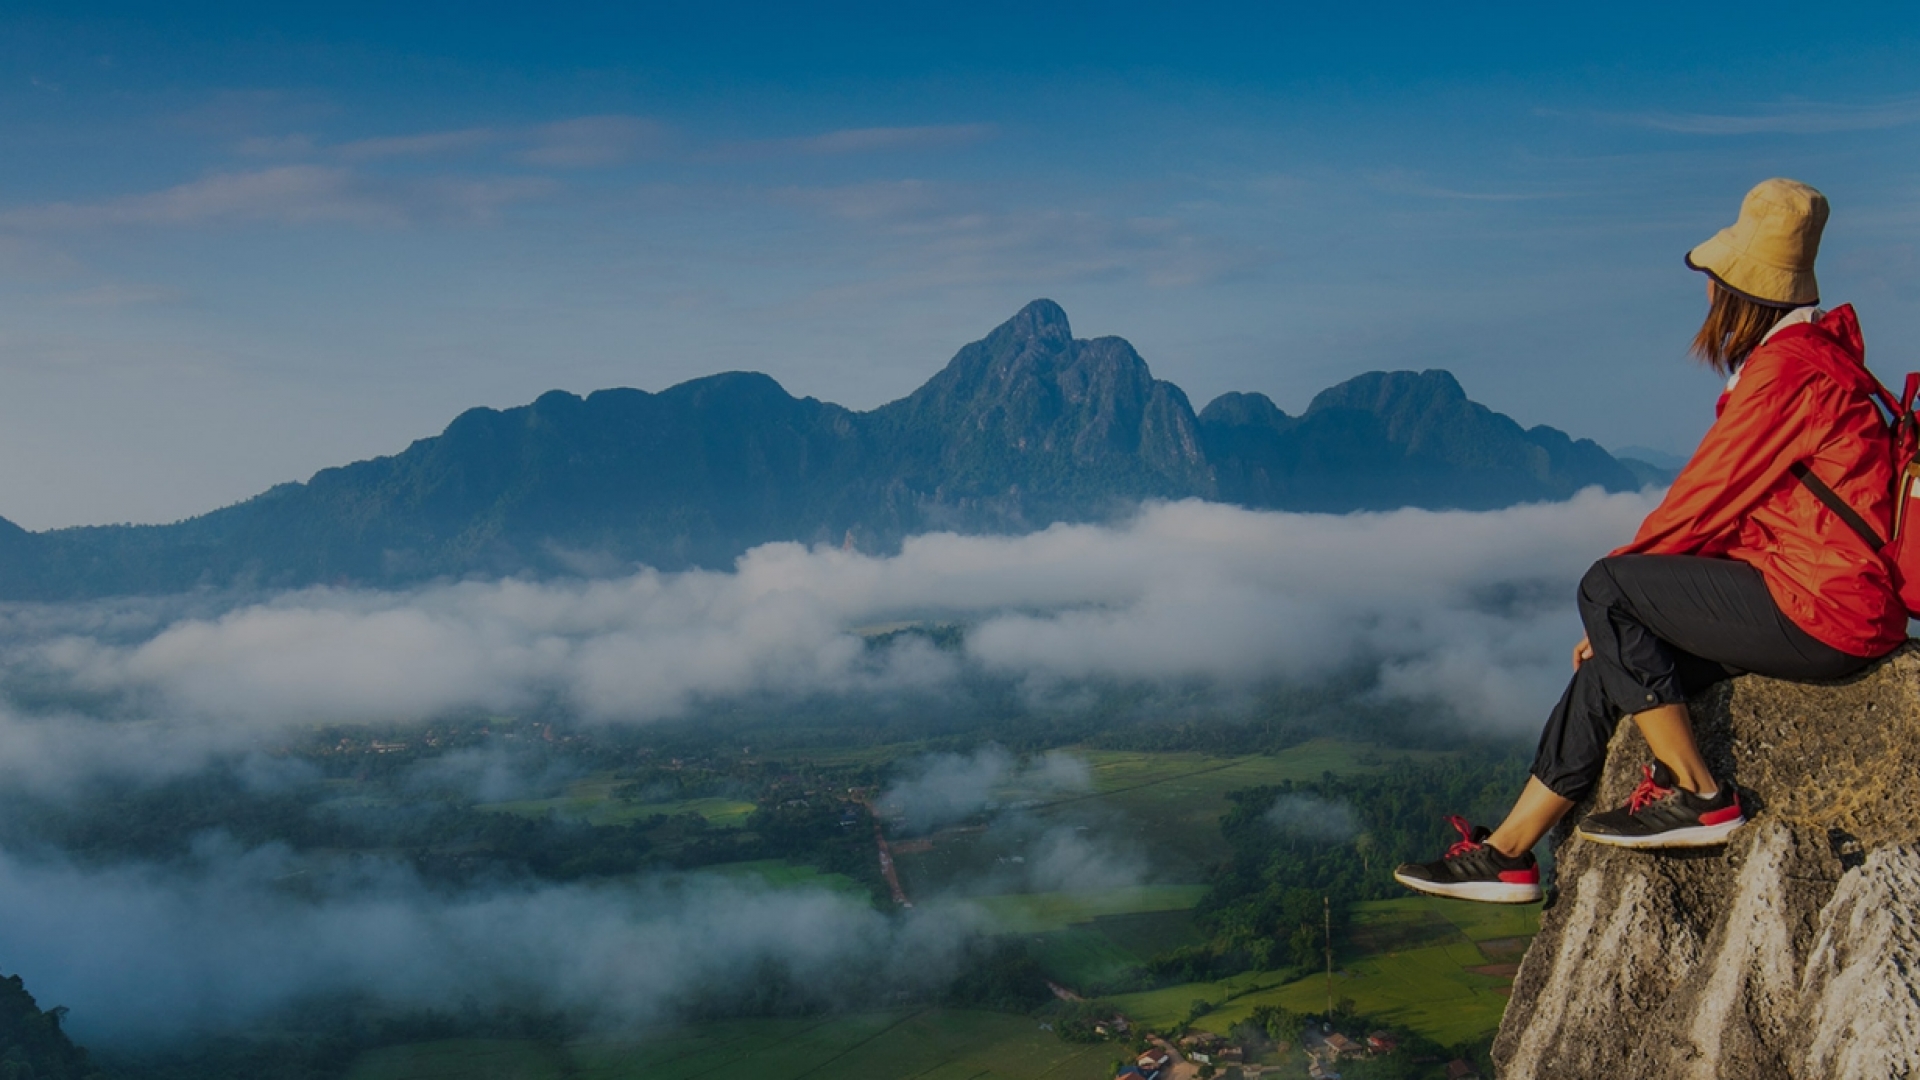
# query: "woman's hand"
[[1582, 653]]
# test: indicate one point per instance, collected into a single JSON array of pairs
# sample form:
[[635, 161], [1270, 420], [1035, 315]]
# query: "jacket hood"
[[1834, 345]]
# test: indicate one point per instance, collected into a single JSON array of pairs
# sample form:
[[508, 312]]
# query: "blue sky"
[[239, 245]]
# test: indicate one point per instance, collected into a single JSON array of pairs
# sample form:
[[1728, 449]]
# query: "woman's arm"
[[1758, 437]]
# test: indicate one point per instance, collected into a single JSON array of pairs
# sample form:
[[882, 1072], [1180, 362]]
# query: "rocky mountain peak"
[[1030, 411], [1236, 409], [1387, 391], [1041, 321]]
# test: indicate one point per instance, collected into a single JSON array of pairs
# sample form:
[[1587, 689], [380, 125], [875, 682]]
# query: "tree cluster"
[[32, 1046]]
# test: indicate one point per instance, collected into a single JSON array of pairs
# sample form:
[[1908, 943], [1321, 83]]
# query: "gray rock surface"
[[1792, 952]]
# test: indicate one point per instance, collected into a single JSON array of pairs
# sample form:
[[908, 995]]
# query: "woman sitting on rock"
[[1743, 567]]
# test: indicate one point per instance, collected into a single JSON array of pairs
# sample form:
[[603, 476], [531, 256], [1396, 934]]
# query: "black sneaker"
[[1474, 870], [1660, 814]]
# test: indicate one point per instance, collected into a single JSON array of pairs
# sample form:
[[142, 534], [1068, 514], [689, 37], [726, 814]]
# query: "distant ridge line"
[[1026, 427]]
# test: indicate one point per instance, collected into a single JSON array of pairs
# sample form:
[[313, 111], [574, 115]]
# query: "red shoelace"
[[1647, 793], [1467, 842]]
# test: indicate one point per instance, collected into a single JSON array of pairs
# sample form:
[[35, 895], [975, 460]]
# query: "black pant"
[[1664, 627]]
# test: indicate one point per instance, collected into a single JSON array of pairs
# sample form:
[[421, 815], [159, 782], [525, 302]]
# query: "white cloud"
[[1789, 118], [1069, 860], [1470, 610], [941, 789]]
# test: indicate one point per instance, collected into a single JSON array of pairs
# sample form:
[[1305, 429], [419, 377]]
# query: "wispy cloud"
[[941, 789], [477, 200], [353, 182], [894, 202], [289, 195], [295, 145], [592, 141], [1788, 118], [870, 140], [935, 234], [427, 144], [583, 142], [575, 143], [293, 194], [1401, 182]]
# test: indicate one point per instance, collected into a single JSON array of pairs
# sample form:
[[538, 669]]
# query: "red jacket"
[[1805, 395]]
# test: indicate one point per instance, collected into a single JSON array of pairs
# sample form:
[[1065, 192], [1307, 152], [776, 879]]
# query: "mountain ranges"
[[1022, 429]]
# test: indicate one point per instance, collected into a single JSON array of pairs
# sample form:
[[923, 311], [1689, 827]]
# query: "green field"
[[781, 874], [1166, 1007], [1099, 952], [933, 1044], [462, 1059], [1427, 990], [1082, 958], [1033, 913], [592, 801], [1416, 973], [1149, 932]]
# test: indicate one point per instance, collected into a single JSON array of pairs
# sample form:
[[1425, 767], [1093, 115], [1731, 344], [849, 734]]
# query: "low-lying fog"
[[1467, 617]]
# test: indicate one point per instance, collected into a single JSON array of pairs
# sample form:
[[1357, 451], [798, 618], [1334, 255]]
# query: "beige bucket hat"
[[1767, 255]]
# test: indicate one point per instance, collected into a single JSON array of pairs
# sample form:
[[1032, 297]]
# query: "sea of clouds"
[[1467, 615], [1470, 610]]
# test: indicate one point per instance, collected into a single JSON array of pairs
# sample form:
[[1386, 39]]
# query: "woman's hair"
[[1733, 328]]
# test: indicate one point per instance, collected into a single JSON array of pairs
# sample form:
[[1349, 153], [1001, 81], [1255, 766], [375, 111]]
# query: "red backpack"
[[1901, 550]]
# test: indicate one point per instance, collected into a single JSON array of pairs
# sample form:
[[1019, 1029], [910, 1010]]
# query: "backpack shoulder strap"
[[1835, 503]]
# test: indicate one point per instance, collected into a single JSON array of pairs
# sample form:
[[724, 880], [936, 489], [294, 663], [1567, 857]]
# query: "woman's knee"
[[1599, 596], [1598, 586]]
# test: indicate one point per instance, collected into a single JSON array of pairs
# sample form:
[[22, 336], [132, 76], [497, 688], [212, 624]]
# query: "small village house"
[[1343, 1046]]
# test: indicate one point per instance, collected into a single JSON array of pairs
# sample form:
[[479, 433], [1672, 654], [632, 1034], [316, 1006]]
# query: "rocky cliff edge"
[[1792, 952]]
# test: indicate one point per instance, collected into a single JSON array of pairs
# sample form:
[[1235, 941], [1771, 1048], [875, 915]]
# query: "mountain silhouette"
[[1021, 429], [1388, 439]]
